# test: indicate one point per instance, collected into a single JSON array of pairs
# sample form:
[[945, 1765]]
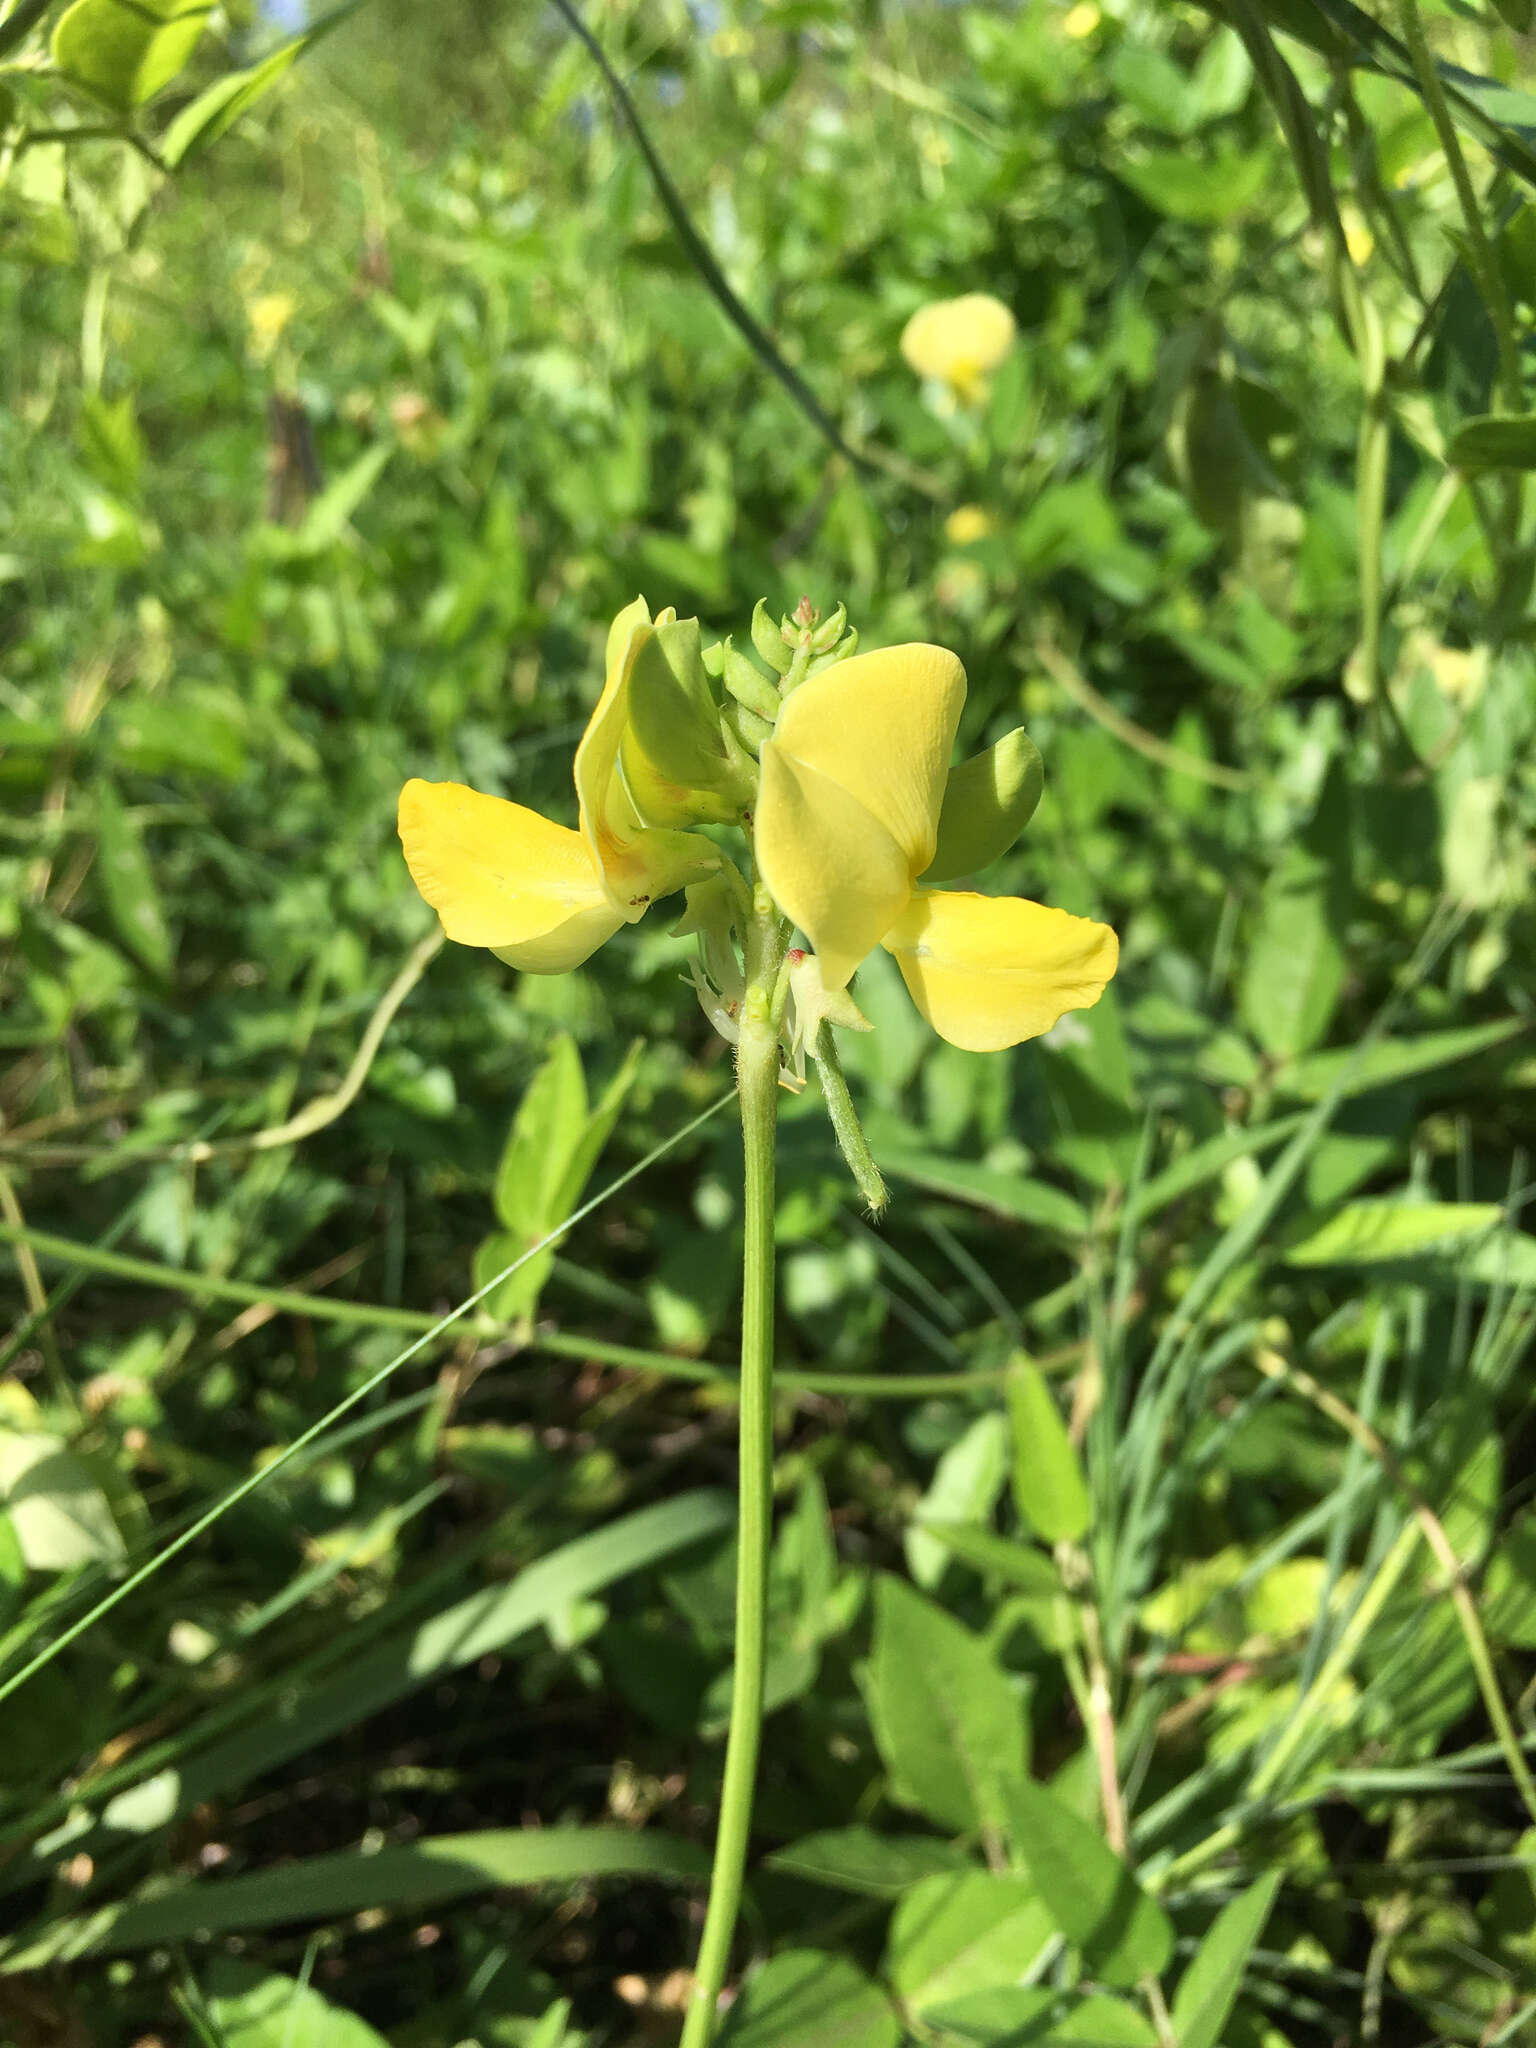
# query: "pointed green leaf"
[[128, 884], [947, 1720], [220, 105], [1092, 1897], [588, 1148], [1208, 1989], [1048, 1485], [542, 1145], [1494, 441], [988, 801], [871, 1865], [402, 1877], [964, 1488]]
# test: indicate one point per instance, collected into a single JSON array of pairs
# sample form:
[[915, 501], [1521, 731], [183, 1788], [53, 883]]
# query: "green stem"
[[757, 1082]]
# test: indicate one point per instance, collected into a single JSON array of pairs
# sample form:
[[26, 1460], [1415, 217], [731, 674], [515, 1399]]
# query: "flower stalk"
[[757, 1085]]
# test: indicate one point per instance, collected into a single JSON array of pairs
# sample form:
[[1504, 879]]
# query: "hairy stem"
[[757, 1082]]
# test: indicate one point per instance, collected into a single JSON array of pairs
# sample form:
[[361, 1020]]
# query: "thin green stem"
[[757, 1081]]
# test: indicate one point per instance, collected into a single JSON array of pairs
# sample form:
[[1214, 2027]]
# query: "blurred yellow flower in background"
[[958, 343], [1079, 22], [968, 524], [267, 316]]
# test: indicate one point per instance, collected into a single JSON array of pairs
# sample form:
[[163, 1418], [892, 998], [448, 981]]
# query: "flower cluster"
[[836, 766]]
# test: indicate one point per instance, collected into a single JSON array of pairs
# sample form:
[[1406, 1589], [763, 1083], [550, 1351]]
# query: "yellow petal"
[[828, 863], [959, 340], [881, 726], [499, 875], [990, 971]]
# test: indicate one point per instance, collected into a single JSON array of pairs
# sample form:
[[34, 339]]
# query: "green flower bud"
[[747, 684], [769, 640]]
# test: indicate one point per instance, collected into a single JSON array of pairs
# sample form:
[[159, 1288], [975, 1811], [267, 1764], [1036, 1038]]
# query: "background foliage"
[[1157, 1480]]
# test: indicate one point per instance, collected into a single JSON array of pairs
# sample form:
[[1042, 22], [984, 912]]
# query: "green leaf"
[[1049, 1490], [1099, 2021], [1381, 1232], [59, 1514], [1390, 1060], [551, 2030], [1005, 2016], [1208, 1989], [964, 1488], [219, 106], [546, 1130], [805, 1999], [128, 884], [1018, 2016], [255, 2008], [1494, 441], [980, 1187], [124, 51], [1092, 1897], [860, 1860], [1295, 967], [428, 1873], [973, 1931], [1184, 187], [1509, 1589], [948, 1722], [588, 1148], [988, 801], [1039, 1597]]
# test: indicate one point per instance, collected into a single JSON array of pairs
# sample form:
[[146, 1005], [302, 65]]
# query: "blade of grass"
[[428, 1872]]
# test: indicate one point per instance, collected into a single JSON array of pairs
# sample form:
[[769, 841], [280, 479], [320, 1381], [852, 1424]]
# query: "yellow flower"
[[267, 315], [541, 896], [968, 524], [959, 343], [1080, 21], [857, 806]]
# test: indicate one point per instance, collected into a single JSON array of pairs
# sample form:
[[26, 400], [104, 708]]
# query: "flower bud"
[[747, 684], [769, 640]]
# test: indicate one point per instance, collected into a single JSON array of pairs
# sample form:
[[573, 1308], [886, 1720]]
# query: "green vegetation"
[[1152, 1622]]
